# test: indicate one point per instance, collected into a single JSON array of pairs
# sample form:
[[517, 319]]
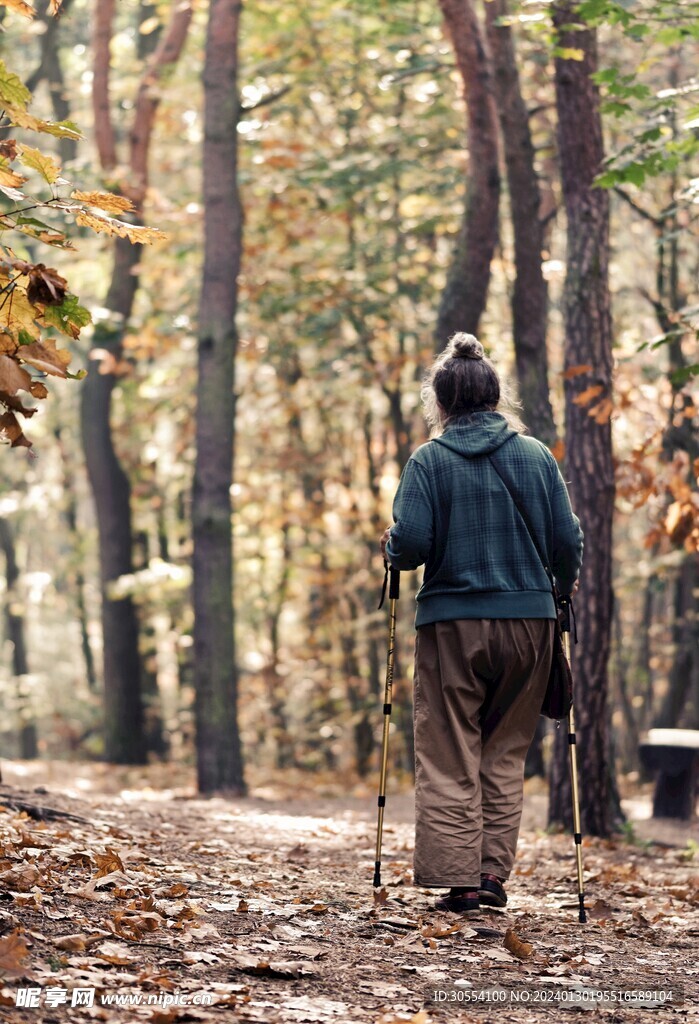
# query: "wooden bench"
[[674, 755]]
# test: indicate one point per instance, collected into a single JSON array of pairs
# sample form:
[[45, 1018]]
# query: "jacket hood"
[[483, 434]]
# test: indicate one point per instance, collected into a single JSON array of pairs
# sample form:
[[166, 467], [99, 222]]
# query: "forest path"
[[265, 910]]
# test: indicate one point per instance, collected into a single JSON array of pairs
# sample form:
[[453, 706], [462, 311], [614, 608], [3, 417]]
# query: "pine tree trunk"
[[589, 464], [466, 291], [219, 757], [530, 298]]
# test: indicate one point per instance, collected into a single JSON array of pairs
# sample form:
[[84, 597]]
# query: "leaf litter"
[[270, 912]]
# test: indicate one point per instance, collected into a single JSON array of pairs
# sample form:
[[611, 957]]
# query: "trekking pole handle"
[[391, 582]]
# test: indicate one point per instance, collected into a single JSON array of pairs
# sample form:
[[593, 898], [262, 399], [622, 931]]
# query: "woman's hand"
[[384, 540]]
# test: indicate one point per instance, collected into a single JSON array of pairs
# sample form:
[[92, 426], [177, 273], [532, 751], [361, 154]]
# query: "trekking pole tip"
[[377, 874], [582, 916]]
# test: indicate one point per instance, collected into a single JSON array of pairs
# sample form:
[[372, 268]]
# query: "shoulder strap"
[[510, 487]]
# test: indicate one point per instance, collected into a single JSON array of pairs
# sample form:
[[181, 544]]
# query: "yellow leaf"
[[61, 129], [9, 177], [20, 6], [104, 200], [17, 313], [100, 222], [38, 161]]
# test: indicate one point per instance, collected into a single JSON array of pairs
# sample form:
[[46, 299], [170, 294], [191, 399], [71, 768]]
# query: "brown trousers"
[[469, 781]]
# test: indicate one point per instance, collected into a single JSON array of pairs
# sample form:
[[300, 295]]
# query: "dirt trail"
[[265, 910]]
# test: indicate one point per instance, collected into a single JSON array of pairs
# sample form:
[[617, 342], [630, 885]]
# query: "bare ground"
[[264, 907]]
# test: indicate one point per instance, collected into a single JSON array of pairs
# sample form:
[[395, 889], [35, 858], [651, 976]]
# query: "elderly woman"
[[485, 620]]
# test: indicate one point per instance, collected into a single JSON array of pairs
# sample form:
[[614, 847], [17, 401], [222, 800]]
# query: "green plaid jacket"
[[454, 514]]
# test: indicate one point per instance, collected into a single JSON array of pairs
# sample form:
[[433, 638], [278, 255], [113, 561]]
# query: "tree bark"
[[466, 291], [530, 298], [219, 755], [124, 736], [589, 464]]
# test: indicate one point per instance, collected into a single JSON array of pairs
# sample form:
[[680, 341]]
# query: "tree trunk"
[[465, 294], [111, 490], [219, 756], [682, 684], [588, 437], [14, 621], [530, 298], [124, 736], [78, 580]]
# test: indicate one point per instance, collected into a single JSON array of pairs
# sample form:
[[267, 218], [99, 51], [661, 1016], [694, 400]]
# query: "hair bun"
[[465, 346]]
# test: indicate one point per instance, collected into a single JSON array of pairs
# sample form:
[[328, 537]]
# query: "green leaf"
[[634, 173], [13, 91], [69, 317], [682, 376], [41, 162]]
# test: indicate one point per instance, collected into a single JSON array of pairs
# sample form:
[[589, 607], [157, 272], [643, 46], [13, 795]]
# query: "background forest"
[[404, 170]]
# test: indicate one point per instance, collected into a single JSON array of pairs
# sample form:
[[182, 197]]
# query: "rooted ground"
[[265, 907]]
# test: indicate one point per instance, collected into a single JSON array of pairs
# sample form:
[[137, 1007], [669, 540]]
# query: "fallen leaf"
[[513, 944], [13, 950]]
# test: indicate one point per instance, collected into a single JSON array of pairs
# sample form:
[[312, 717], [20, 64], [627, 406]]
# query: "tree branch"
[[166, 54], [655, 221], [104, 125]]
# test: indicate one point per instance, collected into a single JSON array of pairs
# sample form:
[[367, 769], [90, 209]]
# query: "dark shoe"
[[458, 901], [491, 891]]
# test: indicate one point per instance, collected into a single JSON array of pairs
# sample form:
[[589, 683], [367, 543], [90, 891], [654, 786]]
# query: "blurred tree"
[[219, 756], [464, 297], [124, 736], [530, 294]]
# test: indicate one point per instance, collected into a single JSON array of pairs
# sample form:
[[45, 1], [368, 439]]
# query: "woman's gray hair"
[[463, 381]]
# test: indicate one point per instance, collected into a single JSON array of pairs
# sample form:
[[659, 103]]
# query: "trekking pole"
[[566, 608], [393, 594]]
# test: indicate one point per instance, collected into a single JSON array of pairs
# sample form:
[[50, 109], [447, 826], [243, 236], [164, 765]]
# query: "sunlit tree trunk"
[[530, 297], [219, 756], [589, 466], [466, 291]]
